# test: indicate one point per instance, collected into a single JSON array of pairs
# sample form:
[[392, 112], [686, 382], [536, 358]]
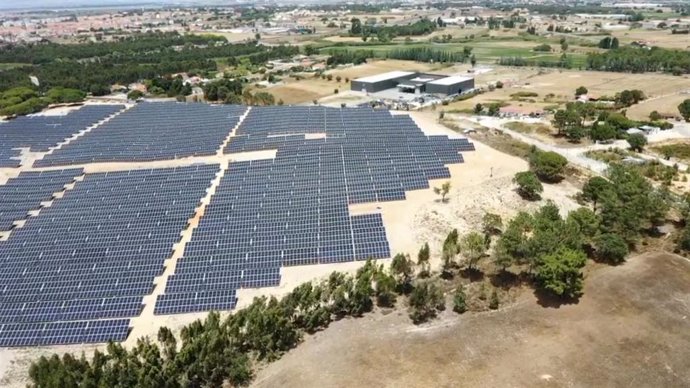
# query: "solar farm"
[[82, 248]]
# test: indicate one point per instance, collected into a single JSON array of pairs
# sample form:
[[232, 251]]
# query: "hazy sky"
[[32, 4]]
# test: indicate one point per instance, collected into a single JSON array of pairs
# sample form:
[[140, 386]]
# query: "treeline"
[[639, 60], [420, 27], [420, 54], [44, 52], [426, 54], [564, 62], [341, 57]]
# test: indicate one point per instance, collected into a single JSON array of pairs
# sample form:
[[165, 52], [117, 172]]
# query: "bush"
[[529, 186], [60, 95], [459, 301], [135, 95], [560, 273], [493, 301], [547, 165], [425, 301], [611, 247], [637, 141]]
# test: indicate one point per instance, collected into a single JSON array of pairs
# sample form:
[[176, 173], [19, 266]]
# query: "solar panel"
[[40, 133], [152, 131]]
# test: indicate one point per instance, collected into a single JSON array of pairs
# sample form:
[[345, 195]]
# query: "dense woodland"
[[92, 66], [639, 60]]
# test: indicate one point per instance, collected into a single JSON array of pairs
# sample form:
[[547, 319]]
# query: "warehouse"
[[379, 82], [450, 85], [413, 83]]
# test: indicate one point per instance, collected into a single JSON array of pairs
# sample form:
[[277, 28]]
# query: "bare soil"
[[630, 328]]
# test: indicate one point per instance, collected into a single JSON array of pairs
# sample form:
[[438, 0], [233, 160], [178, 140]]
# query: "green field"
[[6, 66], [484, 51]]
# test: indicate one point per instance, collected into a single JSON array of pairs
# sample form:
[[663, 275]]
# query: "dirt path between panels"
[[631, 328]]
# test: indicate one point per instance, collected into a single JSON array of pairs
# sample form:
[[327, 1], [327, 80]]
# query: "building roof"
[[452, 80], [386, 76]]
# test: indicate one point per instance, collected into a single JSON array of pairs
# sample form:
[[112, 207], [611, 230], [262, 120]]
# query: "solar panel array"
[[79, 269], [152, 131], [40, 133], [73, 273], [26, 192], [293, 210]]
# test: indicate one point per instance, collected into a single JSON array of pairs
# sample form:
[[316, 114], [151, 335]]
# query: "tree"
[[581, 91], [491, 224], [587, 222], [602, 131], [478, 109], [684, 109], [99, 90], [443, 190], [594, 189], [502, 258], [655, 116], [609, 43], [560, 273], [499, 85], [402, 270], [684, 238], [459, 301], [473, 247], [385, 289], [494, 109], [135, 95], [575, 133], [547, 165], [611, 247], [356, 26], [493, 300], [473, 60], [423, 260], [310, 50], [564, 119], [632, 205], [425, 301], [637, 141], [338, 78], [529, 186]]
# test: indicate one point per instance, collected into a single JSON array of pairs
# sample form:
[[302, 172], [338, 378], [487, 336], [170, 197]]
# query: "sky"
[[61, 4]]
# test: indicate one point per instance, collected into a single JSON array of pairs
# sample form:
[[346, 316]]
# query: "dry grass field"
[[664, 92], [663, 104], [661, 38], [629, 329]]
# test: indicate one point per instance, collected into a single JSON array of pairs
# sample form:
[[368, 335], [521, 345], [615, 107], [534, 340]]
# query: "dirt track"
[[631, 328]]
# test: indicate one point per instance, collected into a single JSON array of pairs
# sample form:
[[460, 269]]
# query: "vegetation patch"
[[677, 150], [528, 128]]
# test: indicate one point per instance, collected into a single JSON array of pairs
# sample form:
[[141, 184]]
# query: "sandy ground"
[[629, 329], [482, 183]]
